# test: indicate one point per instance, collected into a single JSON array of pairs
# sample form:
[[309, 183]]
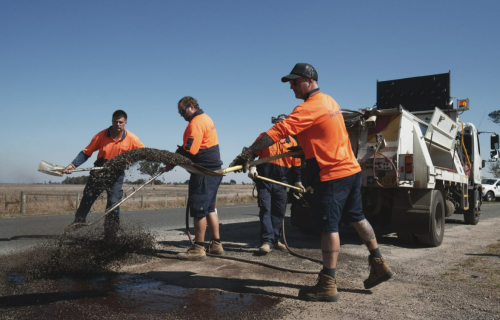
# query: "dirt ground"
[[458, 280]]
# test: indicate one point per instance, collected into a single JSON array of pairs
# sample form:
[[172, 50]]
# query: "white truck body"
[[419, 162], [417, 167]]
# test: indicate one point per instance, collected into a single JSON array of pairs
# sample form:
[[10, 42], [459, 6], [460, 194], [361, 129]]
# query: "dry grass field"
[[64, 199]]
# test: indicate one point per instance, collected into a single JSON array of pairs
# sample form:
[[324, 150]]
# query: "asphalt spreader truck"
[[420, 163]]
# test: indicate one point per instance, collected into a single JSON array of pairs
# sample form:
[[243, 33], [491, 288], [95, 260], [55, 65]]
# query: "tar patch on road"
[[75, 278]]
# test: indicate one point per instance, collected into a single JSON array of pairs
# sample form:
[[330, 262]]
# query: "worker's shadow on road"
[[192, 280]]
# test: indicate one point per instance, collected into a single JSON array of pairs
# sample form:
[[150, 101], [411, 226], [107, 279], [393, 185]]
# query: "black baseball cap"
[[301, 70]]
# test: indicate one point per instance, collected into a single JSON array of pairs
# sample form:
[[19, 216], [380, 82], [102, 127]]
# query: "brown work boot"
[[324, 290], [279, 246], [215, 248], [379, 272], [265, 248], [194, 253]]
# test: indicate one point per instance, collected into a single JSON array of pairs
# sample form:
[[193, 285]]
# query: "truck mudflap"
[[411, 211]]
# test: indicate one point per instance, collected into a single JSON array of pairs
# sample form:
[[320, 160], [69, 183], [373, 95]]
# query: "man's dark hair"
[[119, 114], [187, 100]]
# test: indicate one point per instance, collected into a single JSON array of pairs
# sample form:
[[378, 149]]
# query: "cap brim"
[[290, 77]]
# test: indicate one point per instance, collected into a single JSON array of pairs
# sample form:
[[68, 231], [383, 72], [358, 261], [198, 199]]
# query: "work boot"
[[75, 226], [324, 290], [265, 248], [279, 246], [194, 253], [215, 247], [379, 272]]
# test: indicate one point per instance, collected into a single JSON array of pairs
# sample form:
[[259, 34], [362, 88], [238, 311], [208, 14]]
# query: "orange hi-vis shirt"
[[319, 125], [200, 142], [109, 147], [278, 148]]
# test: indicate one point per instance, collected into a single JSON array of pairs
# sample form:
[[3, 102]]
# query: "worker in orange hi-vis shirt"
[[332, 171], [110, 142], [272, 198], [201, 145]]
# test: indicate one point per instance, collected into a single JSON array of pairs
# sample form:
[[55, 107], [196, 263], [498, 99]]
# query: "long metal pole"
[[113, 207]]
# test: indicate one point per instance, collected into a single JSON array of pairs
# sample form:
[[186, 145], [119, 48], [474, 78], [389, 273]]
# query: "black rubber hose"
[[251, 261]]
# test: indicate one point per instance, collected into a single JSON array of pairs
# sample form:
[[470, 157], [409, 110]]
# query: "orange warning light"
[[463, 103]]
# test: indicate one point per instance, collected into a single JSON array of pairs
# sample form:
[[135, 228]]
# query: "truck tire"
[[471, 216], [435, 236], [408, 238], [489, 196]]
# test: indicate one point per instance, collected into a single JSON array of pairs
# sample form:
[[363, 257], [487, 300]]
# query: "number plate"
[[387, 181]]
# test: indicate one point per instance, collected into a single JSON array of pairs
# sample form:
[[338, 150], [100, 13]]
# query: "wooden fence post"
[[237, 198], [186, 200], [23, 202], [6, 202], [142, 201], [166, 200]]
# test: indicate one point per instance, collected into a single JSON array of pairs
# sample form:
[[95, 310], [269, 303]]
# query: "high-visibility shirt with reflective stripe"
[[109, 147], [200, 142], [279, 168], [319, 125], [278, 148]]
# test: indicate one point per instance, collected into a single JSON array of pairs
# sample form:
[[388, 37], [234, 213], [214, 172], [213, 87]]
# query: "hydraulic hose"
[[393, 166], [252, 261]]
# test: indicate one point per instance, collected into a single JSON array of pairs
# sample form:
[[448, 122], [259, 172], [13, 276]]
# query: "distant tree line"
[[75, 180]]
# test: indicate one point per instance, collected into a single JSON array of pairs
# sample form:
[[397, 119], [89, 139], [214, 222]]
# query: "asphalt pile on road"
[[80, 254]]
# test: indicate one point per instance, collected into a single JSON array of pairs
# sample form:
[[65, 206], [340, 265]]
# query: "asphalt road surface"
[[21, 233]]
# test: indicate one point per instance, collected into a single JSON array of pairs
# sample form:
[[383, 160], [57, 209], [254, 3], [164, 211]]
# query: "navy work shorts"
[[202, 194], [337, 200]]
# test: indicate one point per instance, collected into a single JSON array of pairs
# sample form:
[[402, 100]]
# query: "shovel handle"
[[263, 160], [279, 183], [86, 169]]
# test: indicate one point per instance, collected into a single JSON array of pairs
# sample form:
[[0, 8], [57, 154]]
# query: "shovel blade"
[[50, 168], [194, 168]]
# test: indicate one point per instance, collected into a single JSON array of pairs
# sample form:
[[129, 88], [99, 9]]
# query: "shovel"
[[58, 171], [194, 168], [260, 161], [78, 225], [279, 183]]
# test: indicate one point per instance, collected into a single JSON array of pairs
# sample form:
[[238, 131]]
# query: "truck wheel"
[[489, 196], [409, 238], [435, 236], [471, 216]]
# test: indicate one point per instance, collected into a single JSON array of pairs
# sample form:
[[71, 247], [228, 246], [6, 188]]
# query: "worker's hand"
[[301, 186], [243, 159], [252, 173], [309, 190], [169, 167], [296, 149], [69, 168]]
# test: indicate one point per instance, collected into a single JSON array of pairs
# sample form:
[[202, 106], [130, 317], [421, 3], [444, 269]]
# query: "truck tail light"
[[409, 164]]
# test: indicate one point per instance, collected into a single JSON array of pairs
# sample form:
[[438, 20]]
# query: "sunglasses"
[[294, 81], [181, 112]]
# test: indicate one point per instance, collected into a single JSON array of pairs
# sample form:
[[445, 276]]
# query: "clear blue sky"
[[65, 66]]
